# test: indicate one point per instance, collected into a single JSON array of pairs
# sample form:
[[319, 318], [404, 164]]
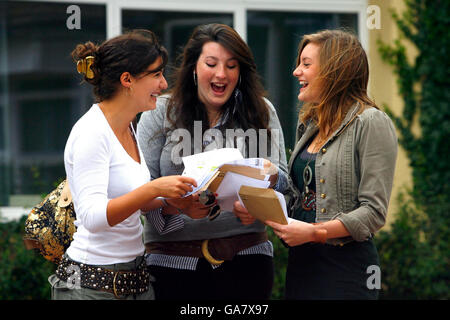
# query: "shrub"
[[415, 253], [280, 262], [413, 267], [23, 273]]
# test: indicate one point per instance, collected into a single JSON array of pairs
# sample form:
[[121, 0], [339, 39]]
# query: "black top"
[[307, 211]]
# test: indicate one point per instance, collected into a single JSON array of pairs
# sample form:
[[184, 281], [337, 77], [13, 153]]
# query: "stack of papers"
[[229, 188], [203, 166], [233, 178]]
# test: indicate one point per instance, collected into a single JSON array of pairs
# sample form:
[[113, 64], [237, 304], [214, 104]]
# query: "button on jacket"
[[354, 172]]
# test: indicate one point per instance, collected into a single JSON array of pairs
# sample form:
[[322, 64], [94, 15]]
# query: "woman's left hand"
[[181, 203], [192, 206], [295, 233]]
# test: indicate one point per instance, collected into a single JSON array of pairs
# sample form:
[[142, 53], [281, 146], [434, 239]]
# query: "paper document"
[[210, 168], [264, 204], [202, 166]]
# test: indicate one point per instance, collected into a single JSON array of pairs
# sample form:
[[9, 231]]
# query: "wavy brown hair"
[[184, 106], [131, 52], [342, 79]]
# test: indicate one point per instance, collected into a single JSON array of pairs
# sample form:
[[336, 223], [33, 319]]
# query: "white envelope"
[[229, 188]]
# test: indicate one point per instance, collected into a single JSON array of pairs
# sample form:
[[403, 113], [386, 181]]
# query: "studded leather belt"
[[216, 251], [120, 283]]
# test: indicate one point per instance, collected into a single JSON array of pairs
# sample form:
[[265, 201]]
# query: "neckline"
[[308, 144], [117, 139], [307, 156]]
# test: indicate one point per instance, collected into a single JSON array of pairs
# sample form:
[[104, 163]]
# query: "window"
[[41, 95], [274, 38], [173, 28]]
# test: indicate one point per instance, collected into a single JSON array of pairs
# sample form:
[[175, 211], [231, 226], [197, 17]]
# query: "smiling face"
[[306, 73], [217, 75], [148, 86]]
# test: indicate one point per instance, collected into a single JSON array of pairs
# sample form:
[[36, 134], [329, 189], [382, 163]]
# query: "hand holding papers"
[[224, 171], [203, 167], [264, 204], [209, 168]]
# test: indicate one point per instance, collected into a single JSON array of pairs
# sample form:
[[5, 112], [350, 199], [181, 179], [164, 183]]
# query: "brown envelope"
[[263, 204]]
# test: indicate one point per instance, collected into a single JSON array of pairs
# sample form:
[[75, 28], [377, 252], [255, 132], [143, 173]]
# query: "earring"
[[195, 78], [129, 91]]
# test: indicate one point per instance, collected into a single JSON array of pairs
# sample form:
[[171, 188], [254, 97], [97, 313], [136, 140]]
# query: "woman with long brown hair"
[[342, 171], [216, 86]]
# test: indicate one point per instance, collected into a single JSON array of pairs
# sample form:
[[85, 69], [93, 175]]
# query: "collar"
[[305, 132]]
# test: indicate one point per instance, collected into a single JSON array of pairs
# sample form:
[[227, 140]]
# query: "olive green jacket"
[[354, 172]]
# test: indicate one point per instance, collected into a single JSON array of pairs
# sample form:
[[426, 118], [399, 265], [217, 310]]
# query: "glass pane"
[[274, 38], [41, 95], [172, 28]]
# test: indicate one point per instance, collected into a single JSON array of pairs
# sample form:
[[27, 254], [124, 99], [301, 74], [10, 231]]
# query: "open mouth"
[[303, 84], [218, 87]]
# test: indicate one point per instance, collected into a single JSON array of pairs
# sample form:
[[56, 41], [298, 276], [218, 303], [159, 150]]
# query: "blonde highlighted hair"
[[342, 79]]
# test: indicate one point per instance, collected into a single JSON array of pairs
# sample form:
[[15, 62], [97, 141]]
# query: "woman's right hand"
[[242, 213], [173, 186]]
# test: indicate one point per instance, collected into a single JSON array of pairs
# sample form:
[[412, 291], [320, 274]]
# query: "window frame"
[[238, 8]]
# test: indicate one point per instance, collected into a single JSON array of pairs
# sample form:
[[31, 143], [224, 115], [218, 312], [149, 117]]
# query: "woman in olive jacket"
[[341, 172]]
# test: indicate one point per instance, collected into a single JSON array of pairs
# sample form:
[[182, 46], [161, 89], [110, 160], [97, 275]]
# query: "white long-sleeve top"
[[99, 169]]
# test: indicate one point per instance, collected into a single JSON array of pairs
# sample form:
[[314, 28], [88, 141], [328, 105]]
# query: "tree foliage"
[[415, 253]]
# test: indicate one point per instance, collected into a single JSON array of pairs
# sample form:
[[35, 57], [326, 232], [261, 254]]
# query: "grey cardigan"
[[354, 172], [154, 138]]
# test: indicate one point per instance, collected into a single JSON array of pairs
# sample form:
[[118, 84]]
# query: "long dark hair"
[[131, 52], [246, 107]]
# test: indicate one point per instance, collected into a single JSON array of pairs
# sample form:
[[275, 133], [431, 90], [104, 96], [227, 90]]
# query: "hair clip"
[[84, 67]]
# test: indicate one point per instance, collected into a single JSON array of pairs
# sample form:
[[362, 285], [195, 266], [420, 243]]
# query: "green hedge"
[[23, 273], [280, 264], [413, 265]]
